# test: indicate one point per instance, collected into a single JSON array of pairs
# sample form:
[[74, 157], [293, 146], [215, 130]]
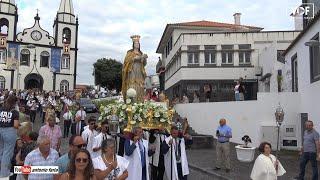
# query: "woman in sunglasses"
[[80, 167], [108, 166]]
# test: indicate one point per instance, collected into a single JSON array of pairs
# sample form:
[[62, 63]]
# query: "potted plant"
[[245, 153]]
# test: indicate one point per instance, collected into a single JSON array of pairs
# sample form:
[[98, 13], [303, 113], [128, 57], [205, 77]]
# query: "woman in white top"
[[106, 166], [266, 166]]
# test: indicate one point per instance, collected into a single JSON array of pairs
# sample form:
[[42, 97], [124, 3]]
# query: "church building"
[[35, 59]]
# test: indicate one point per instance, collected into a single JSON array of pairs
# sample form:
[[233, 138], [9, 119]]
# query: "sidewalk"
[[204, 160]]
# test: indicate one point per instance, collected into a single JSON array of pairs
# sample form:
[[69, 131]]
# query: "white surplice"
[[97, 141], [122, 166], [167, 160], [264, 168], [88, 137], [135, 167]]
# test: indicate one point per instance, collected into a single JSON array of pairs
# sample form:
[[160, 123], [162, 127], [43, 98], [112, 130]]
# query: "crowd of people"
[[92, 152]]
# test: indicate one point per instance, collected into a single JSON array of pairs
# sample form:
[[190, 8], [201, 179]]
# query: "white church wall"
[[45, 43], [244, 117]]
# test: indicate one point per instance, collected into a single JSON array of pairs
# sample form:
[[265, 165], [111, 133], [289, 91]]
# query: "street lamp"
[[279, 114], [113, 129]]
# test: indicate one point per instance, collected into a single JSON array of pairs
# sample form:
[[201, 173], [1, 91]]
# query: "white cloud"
[[106, 26]]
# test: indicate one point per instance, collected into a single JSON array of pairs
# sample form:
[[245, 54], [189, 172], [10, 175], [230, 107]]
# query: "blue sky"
[[106, 26]]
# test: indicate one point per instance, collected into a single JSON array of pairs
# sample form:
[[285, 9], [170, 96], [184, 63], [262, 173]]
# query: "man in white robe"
[[136, 152], [175, 157], [265, 166], [89, 134], [156, 139], [103, 135]]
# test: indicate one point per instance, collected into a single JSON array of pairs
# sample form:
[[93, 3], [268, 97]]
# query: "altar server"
[[136, 152], [175, 157]]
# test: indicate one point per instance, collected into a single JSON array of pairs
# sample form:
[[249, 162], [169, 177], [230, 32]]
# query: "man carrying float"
[[133, 115]]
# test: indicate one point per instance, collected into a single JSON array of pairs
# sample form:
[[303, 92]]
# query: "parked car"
[[87, 105]]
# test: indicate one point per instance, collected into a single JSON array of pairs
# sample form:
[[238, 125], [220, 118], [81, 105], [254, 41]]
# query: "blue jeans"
[[312, 157], [8, 138]]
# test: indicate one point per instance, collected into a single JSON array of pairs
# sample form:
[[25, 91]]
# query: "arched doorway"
[[33, 81]]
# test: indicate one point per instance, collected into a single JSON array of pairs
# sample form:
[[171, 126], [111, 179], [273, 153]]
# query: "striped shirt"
[[35, 158], [54, 134]]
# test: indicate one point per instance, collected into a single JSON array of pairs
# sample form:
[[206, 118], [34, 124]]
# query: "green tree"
[[107, 73]]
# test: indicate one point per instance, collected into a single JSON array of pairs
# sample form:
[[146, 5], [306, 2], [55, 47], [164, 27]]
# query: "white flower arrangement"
[[140, 112]]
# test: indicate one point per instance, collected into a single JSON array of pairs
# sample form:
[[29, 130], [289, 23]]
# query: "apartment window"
[[2, 82], [294, 71], [25, 57], [3, 56], [193, 54], [227, 54], [64, 86], [65, 63], [280, 56], [210, 54], [244, 53], [44, 59], [315, 61]]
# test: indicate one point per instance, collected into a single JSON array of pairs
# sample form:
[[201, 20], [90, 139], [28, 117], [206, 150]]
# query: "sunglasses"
[[92, 123], [80, 146], [79, 160]]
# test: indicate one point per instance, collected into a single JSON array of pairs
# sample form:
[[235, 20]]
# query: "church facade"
[[35, 59]]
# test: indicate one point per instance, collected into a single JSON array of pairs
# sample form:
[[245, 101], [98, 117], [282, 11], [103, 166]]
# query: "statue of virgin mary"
[[133, 72]]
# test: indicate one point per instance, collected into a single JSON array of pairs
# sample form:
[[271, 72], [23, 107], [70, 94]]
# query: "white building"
[[299, 77], [302, 60], [35, 59], [215, 55]]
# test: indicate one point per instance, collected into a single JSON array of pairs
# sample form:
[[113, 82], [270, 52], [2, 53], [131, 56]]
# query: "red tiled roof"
[[204, 23]]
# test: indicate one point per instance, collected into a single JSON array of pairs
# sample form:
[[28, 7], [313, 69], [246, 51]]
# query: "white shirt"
[[97, 143], [67, 115], [88, 137], [123, 164], [67, 101], [81, 114]]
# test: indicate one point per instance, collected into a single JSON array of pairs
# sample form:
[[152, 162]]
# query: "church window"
[[66, 35], [4, 26], [65, 62], [44, 59], [64, 86], [3, 56], [25, 57]]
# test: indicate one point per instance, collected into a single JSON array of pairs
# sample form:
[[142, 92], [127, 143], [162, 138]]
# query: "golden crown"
[[135, 38]]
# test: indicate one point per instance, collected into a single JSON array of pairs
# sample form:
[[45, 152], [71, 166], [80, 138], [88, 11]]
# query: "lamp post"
[[279, 115], [113, 129]]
